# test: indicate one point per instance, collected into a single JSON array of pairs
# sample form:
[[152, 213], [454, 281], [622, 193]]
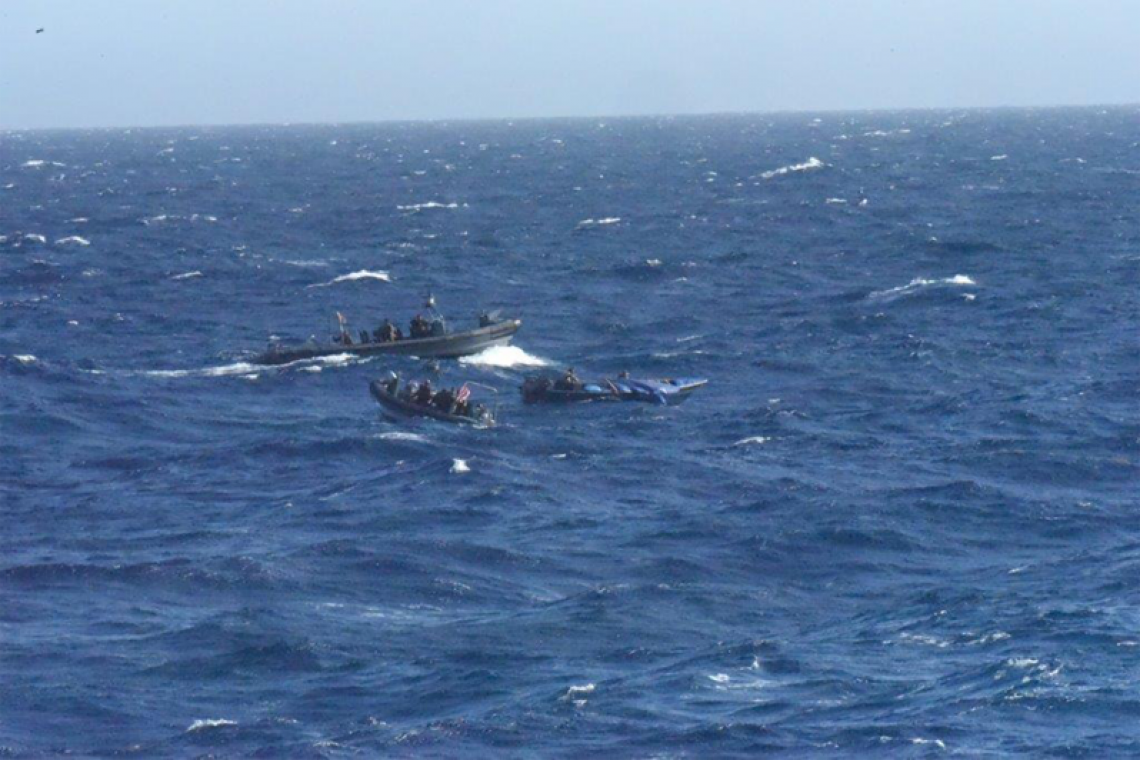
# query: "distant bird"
[[40, 30]]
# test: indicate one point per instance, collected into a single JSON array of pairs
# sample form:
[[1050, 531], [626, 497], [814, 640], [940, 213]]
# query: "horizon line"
[[616, 116]]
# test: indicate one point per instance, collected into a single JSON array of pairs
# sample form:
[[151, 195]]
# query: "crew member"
[[569, 381], [425, 393], [445, 400]]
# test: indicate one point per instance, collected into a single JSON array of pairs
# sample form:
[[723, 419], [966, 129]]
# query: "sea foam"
[[73, 240], [809, 165], [920, 283], [363, 274]]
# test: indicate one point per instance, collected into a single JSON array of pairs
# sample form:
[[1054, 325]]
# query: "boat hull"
[[664, 392], [400, 409], [442, 347]]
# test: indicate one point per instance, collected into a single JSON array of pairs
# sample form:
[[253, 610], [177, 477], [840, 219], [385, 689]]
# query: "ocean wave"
[[751, 440], [205, 723], [504, 356], [920, 283], [428, 206], [187, 275], [577, 694], [73, 240], [161, 218], [35, 238], [459, 466], [886, 133], [36, 163], [363, 274], [400, 435], [809, 165], [599, 222]]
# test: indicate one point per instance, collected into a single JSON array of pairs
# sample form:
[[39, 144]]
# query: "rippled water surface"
[[900, 520]]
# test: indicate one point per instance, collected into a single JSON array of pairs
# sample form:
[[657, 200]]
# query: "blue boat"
[[546, 389]]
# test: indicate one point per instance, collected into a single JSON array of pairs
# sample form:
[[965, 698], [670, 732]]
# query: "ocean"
[[900, 520]]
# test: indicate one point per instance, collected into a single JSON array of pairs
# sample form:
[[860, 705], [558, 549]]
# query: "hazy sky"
[[146, 62]]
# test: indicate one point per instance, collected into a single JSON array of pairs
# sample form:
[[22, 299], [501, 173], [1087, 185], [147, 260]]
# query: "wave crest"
[[809, 165]]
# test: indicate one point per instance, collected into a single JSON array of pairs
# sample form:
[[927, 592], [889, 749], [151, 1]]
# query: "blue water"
[[900, 520]]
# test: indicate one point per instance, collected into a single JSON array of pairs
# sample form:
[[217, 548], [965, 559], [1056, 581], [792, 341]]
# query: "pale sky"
[[172, 62]]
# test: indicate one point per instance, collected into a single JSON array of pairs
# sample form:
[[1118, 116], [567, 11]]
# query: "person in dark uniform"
[[444, 400], [419, 326], [425, 393]]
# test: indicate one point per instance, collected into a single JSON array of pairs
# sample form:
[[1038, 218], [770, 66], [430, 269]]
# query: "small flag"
[[463, 394]]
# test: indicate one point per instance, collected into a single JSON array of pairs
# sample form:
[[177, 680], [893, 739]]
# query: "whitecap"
[[836, 201], [187, 275], [918, 283], [577, 694], [599, 222], [400, 435], [756, 439], [36, 163], [73, 240], [199, 725], [504, 356], [720, 678], [810, 164], [936, 742], [1002, 157], [363, 274], [1021, 662], [35, 238], [653, 262], [24, 358], [429, 205], [459, 466]]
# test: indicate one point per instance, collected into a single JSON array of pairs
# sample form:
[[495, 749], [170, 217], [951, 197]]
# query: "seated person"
[[435, 328], [425, 393], [568, 382], [364, 338], [444, 400], [385, 333]]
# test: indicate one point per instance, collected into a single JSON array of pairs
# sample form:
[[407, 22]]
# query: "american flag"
[[463, 394]]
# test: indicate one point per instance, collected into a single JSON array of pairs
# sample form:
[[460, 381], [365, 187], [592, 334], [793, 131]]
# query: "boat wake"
[[248, 370], [505, 357]]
